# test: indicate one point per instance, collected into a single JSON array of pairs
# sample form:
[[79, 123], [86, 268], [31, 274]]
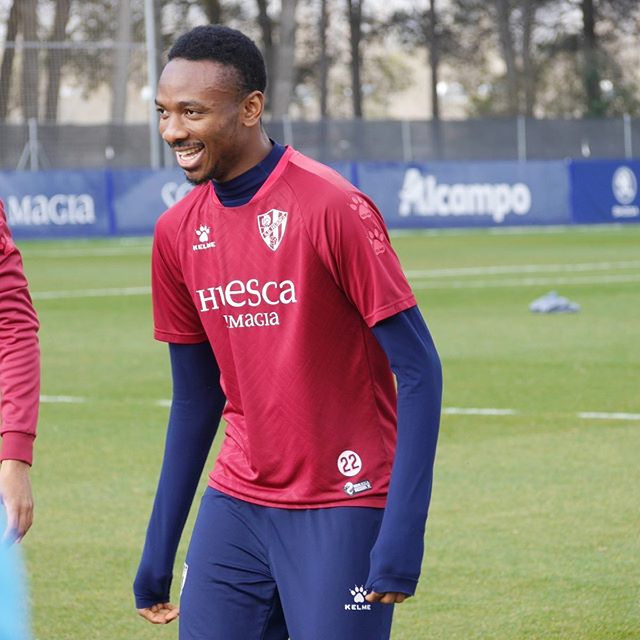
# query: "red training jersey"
[[19, 354], [286, 288]]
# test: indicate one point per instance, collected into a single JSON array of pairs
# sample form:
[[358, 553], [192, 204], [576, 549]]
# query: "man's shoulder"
[[319, 180], [174, 217]]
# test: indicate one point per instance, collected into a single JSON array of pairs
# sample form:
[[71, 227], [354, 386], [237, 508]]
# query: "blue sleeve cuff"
[[393, 584]]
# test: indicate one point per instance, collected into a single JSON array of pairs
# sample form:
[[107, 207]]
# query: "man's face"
[[201, 118]]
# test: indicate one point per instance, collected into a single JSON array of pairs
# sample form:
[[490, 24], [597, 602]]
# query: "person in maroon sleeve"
[[19, 387]]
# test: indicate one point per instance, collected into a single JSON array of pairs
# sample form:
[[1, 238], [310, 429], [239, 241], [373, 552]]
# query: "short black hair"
[[226, 46]]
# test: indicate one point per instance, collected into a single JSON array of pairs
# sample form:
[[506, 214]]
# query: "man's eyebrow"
[[185, 103]]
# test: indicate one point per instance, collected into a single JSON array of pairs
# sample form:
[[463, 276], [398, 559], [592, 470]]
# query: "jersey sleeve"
[[352, 240], [19, 355], [175, 317]]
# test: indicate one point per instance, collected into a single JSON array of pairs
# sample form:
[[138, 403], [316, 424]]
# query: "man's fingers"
[[25, 519], [152, 616], [11, 533], [173, 614], [160, 613], [392, 597], [19, 520]]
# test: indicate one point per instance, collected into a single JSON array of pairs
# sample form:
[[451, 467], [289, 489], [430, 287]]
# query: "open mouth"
[[189, 157]]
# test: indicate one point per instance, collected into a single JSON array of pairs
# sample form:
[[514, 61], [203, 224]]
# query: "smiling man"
[[286, 312]]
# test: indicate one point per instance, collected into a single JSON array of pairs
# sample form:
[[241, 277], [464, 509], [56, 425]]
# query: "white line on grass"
[[524, 282], [524, 268], [91, 293], [457, 411], [417, 284], [595, 415], [97, 252], [62, 399], [77, 249], [478, 412]]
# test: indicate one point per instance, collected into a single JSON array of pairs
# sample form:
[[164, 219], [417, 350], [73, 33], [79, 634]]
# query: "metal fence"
[[49, 146], [84, 99]]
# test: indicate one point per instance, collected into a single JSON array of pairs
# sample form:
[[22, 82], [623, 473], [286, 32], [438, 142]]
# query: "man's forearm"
[[195, 413], [397, 554], [19, 358]]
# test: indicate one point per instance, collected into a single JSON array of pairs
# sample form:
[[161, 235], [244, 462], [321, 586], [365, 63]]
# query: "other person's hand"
[[16, 495]]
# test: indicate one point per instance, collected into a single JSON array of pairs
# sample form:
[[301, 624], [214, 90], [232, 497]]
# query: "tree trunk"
[[28, 20], [266, 28], [6, 69], [528, 69], [594, 106], [324, 59], [55, 59], [506, 44], [160, 57], [354, 8], [434, 60], [213, 11], [285, 61], [121, 63], [434, 63]]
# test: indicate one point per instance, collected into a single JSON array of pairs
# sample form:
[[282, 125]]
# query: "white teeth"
[[188, 154]]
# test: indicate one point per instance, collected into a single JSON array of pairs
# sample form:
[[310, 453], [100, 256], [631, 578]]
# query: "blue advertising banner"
[[605, 191], [439, 194], [141, 195], [468, 194], [56, 203]]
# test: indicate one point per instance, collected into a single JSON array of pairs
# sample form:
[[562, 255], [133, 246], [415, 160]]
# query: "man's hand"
[[160, 613], [15, 493], [391, 597]]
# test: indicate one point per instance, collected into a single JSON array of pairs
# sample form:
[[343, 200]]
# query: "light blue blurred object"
[[13, 596], [553, 303]]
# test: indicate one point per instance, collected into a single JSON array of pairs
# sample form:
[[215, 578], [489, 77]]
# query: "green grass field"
[[535, 521]]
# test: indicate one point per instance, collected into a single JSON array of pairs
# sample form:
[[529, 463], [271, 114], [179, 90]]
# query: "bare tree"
[[55, 59], [266, 29], [29, 21], [505, 37], [285, 59], [354, 13], [121, 63], [434, 59], [324, 58], [594, 105], [213, 11], [6, 68], [528, 67]]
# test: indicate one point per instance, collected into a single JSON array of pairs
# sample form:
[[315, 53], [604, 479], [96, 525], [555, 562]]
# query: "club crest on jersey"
[[272, 226]]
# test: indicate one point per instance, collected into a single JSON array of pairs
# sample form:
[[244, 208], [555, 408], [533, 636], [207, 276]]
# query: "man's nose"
[[172, 130]]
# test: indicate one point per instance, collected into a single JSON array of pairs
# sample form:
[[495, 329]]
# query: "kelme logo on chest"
[[271, 226], [203, 233]]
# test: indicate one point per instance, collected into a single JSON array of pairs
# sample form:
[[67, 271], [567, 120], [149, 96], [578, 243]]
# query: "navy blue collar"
[[241, 189]]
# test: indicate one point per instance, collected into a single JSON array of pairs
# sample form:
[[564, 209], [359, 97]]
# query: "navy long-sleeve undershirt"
[[196, 407], [195, 412], [396, 557]]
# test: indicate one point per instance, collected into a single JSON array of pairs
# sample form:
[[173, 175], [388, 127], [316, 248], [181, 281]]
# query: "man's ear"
[[252, 109]]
